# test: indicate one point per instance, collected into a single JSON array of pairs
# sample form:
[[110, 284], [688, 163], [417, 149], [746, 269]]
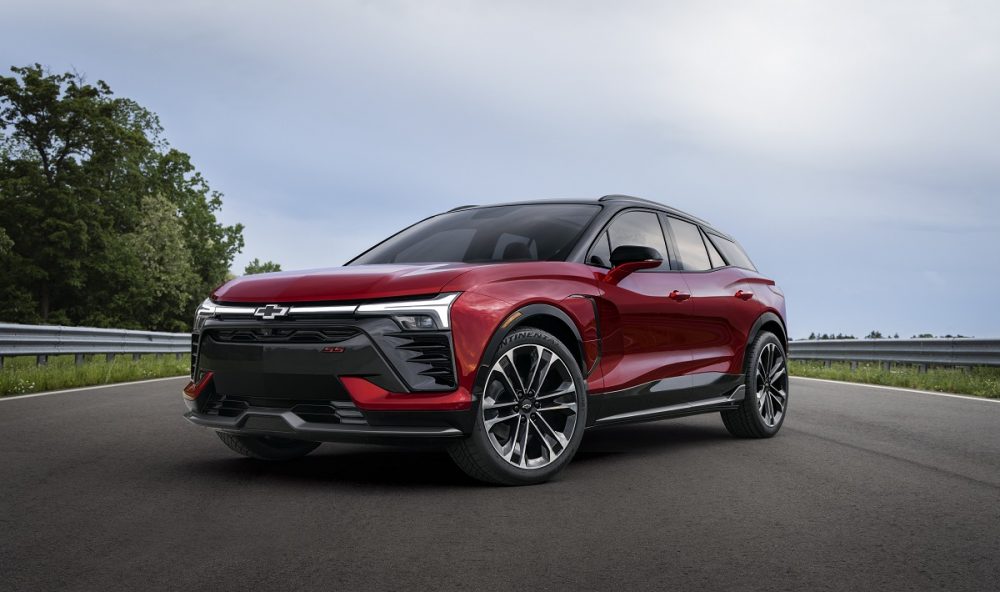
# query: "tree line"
[[102, 222], [878, 335]]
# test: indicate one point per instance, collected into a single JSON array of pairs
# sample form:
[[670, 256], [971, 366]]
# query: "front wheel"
[[531, 415], [765, 403], [267, 447]]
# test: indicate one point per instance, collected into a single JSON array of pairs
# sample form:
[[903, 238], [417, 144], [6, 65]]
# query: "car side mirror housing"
[[628, 259]]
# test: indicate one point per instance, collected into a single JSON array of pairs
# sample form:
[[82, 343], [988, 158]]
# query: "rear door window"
[[690, 248]]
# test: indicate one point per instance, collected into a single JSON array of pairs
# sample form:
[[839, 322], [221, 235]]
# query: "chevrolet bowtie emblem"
[[271, 311]]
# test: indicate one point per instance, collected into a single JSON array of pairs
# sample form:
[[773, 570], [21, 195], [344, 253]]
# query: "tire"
[[551, 410], [765, 403], [270, 448]]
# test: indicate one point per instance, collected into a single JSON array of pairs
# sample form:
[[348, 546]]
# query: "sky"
[[853, 147]]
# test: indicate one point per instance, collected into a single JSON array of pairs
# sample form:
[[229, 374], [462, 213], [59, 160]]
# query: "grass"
[[21, 376], [979, 381]]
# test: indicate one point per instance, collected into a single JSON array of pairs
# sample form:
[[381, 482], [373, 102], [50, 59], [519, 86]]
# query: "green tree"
[[258, 266], [88, 188], [157, 247]]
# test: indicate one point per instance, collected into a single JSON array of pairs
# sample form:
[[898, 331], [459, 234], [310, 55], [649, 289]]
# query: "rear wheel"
[[531, 414], [270, 448], [765, 403]]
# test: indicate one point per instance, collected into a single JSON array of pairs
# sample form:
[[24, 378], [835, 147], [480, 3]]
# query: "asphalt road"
[[863, 489]]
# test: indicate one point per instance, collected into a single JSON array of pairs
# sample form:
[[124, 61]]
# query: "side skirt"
[[708, 393]]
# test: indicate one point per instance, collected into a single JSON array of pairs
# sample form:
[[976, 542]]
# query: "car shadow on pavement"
[[352, 464], [670, 436], [347, 464]]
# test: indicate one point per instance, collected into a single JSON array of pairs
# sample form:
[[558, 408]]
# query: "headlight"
[[416, 322], [205, 309], [414, 315]]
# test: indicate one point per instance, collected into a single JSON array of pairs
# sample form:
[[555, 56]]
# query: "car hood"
[[348, 283]]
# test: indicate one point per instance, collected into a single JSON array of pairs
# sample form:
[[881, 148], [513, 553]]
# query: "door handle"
[[678, 296], [743, 295]]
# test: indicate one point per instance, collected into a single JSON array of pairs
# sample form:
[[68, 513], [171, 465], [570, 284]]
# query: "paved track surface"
[[863, 489]]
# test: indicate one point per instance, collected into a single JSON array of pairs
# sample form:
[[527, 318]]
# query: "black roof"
[[616, 199], [655, 204]]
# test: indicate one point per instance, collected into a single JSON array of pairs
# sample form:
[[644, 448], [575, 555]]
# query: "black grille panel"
[[284, 335], [310, 410], [225, 407]]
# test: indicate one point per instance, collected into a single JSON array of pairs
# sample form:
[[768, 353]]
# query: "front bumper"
[[265, 421], [326, 380]]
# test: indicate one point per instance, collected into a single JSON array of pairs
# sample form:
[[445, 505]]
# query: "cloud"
[[851, 145]]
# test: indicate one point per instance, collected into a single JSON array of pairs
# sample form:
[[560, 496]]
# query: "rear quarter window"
[[732, 252]]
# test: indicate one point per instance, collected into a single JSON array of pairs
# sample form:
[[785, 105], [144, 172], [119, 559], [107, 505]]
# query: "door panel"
[[722, 319], [648, 334]]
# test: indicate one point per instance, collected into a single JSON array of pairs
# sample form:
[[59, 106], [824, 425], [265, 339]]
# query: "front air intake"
[[428, 356]]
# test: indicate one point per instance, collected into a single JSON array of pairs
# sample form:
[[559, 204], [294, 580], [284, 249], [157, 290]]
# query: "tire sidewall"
[[751, 382], [531, 336]]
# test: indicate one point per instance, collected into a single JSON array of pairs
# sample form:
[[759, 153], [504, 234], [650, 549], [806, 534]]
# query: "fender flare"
[[767, 317], [511, 322]]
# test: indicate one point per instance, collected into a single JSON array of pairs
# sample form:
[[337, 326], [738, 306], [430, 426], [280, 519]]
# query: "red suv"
[[502, 331]]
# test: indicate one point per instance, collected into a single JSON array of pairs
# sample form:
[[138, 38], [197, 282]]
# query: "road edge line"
[[90, 388], [898, 388]]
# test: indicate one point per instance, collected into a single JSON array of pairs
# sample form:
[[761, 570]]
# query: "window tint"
[[640, 229], [690, 248], [543, 232], [713, 254], [512, 247], [600, 253], [732, 252], [437, 246]]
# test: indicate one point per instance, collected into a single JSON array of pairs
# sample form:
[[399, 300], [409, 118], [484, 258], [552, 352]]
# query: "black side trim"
[[682, 395], [600, 337]]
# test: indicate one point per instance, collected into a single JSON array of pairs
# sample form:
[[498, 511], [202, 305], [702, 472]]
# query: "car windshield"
[[529, 232]]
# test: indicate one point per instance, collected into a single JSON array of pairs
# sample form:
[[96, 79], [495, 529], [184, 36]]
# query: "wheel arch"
[[546, 317], [771, 323]]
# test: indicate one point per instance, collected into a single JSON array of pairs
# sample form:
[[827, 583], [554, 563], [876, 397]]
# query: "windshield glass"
[[529, 232]]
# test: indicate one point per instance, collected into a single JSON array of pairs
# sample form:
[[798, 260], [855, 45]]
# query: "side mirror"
[[627, 259]]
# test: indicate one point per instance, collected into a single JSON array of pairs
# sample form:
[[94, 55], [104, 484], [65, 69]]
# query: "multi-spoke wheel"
[[531, 415], [529, 406], [766, 397], [772, 385]]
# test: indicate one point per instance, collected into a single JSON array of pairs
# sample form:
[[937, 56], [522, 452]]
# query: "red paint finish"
[[491, 293], [649, 325], [646, 333], [193, 390], [625, 269], [370, 397], [723, 321], [357, 282]]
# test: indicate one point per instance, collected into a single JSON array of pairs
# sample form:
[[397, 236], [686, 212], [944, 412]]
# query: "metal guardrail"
[[49, 340], [921, 352], [45, 340]]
